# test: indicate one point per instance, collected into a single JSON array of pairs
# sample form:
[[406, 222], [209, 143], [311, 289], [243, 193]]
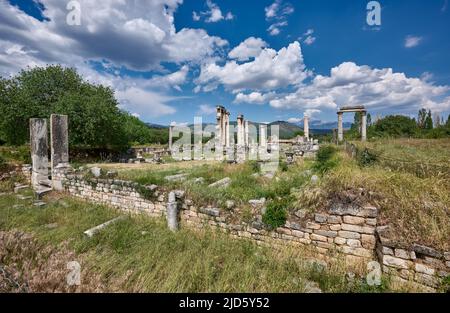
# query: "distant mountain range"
[[287, 130]]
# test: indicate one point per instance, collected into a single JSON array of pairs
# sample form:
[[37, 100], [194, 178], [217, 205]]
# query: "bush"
[[283, 166], [325, 159], [366, 157], [275, 215]]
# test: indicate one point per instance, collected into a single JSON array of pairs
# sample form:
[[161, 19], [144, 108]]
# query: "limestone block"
[[404, 254], [335, 227], [368, 241], [340, 240], [354, 243], [223, 183], [354, 220], [348, 234], [318, 237], [359, 229], [396, 262], [426, 250], [312, 225], [326, 233], [320, 218], [422, 268], [333, 219]]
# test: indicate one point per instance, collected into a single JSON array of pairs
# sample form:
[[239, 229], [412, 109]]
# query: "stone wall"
[[417, 264], [344, 229]]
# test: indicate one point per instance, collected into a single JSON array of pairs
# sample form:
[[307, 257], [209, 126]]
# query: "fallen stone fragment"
[[22, 197], [52, 226], [17, 189], [39, 204], [225, 182], [199, 180], [177, 177], [96, 171], [42, 191], [300, 213], [91, 232], [426, 250], [210, 211], [312, 287], [45, 183], [112, 174], [257, 202], [229, 204]]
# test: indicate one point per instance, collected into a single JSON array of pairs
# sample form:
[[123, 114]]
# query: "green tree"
[[421, 118], [396, 126], [429, 121], [94, 116]]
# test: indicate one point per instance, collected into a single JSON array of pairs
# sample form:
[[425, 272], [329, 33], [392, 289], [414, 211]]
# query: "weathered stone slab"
[[59, 139], [352, 209], [426, 250], [349, 234], [396, 262], [210, 211], [177, 177], [39, 150], [91, 232], [225, 182], [257, 202]]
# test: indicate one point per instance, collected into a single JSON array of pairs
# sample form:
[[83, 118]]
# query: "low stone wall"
[[347, 229], [417, 264]]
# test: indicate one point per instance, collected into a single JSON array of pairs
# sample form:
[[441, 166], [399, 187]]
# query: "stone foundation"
[[343, 229]]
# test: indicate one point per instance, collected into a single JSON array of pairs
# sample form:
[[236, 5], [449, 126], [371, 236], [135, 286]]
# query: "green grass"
[[127, 258], [245, 185], [415, 207]]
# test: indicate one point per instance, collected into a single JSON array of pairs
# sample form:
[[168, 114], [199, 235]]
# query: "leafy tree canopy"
[[94, 116]]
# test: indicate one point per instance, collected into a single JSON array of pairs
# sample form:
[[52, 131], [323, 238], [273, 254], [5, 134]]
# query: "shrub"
[[325, 159], [275, 215], [283, 166], [367, 157]]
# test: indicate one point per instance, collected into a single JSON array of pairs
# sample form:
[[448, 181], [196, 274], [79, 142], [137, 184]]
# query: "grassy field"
[[415, 150], [417, 208], [140, 254]]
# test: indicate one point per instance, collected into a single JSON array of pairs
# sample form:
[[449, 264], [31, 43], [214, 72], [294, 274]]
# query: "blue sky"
[[169, 60]]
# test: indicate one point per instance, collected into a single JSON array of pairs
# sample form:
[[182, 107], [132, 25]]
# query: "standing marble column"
[[340, 127], [59, 139], [227, 129], [39, 151], [364, 126], [246, 131], [306, 126], [240, 130], [263, 135]]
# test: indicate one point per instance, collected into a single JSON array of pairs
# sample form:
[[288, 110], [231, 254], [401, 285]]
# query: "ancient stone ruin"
[[59, 153], [247, 145], [363, 123]]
